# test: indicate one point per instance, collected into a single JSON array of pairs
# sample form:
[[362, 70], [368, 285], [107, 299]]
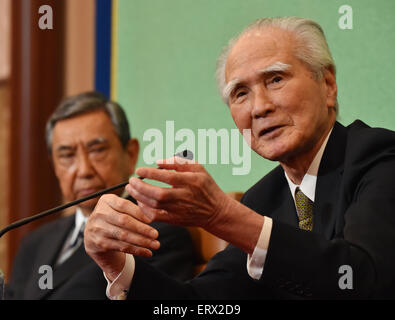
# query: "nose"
[[85, 168], [261, 104]]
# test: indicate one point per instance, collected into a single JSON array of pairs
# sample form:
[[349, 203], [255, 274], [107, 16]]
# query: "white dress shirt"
[[117, 289]]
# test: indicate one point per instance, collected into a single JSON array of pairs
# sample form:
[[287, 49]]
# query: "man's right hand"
[[115, 227]]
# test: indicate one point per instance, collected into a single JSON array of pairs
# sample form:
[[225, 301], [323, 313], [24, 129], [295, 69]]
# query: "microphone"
[[186, 154]]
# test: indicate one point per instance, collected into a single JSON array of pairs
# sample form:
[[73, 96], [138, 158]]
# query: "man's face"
[[276, 95], [88, 156]]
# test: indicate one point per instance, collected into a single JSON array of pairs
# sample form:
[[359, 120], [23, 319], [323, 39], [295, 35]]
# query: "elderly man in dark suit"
[[320, 225], [89, 142]]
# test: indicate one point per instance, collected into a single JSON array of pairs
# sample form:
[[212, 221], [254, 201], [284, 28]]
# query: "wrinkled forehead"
[[83, 128], [263, 43]]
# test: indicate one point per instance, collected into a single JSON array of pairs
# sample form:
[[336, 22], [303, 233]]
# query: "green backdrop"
[[168, 49]]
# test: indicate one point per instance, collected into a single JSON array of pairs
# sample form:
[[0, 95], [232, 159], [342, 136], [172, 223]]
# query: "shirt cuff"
[[256, 261], [118, 289]]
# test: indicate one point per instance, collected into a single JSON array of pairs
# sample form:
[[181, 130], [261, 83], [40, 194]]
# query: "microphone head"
[[186, 154]]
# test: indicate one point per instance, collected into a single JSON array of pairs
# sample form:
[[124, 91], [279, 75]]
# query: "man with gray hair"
[[318, 226], [89, 143]]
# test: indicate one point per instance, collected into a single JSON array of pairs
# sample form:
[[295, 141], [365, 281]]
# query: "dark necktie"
[[304, 209], [72, 247], [78, 239]]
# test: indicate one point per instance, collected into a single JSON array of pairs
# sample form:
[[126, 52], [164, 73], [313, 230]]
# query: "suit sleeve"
[[225, 277], [308, 265], [175, 257]]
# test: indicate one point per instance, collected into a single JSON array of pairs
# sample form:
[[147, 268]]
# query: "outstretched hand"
[[194, 199]]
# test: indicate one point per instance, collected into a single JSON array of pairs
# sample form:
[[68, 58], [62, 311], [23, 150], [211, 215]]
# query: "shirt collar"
[[80, 221], [309, 181]]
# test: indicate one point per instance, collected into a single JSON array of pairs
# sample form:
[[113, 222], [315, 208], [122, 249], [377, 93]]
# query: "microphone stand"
[[59, 208]]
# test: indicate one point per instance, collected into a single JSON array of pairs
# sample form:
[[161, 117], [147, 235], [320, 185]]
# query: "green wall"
[[168, 50]]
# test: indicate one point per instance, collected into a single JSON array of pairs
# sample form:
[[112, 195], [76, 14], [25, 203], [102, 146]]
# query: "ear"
[[331, 86], [133, 148]]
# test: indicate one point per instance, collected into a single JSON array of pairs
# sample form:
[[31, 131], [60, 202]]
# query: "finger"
[[100, 229], [130, 224], [176, 159], [153, 196], [117, 245], [102, 237], [155, 213], [154, 192], [120, 205], [180, 164], [172, 178], [116, 233], [150, 207], [142, 199]]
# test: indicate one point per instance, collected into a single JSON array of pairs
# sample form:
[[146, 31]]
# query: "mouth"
[[270, 132]]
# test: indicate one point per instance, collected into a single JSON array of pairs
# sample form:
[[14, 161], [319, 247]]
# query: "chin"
[[273, 153]]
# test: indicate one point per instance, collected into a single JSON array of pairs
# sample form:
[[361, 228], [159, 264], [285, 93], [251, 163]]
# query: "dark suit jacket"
[[79, 277], [354, 225]]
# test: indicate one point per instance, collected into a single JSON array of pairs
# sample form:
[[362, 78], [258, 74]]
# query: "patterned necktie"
[[304, 209]]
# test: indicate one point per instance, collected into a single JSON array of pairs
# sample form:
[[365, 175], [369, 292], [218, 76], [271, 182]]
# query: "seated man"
[[89, 142], [327, 209]]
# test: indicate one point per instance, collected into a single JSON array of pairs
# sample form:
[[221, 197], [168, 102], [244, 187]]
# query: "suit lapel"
[[271, 197], [328, 182], [68, 268], [286, 212], [47, 254], [56, 240]]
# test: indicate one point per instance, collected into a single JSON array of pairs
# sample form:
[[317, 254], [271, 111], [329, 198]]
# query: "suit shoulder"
[[47, 228], [366, 144], [359, 128]]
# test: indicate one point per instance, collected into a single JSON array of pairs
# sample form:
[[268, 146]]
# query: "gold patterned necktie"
[[304, 209]]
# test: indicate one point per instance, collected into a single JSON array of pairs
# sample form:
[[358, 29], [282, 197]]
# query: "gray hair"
[[312, 49], [89, 102]]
